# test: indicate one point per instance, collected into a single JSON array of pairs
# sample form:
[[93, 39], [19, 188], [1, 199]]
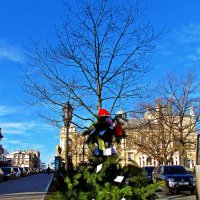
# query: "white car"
[[9, 173], [1, 175], [17, 172]]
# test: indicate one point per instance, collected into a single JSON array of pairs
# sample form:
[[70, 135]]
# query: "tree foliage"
[[87, 184]]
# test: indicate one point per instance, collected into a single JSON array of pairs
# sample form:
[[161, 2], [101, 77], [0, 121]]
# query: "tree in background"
[[169, 124], [98, 58], [150, 135], [183, 96]]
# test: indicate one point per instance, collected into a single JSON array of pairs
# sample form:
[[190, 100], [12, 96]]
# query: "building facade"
[[2, 157], [169, 141], [127, 150], [28, 158], [77, 149]]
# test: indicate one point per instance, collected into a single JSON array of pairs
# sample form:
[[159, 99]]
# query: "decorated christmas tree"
[[102, 177], [105, 133]]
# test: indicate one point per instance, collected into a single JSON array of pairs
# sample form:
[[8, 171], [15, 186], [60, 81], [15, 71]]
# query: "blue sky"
[[22, 20]]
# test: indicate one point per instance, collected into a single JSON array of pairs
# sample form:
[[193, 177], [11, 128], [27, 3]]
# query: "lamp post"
[[1, 136], [59, 150], [124, 151], [1, 148], [67, 117], [59, 157]]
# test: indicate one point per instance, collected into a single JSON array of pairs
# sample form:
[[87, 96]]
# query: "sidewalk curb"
[[159, 197]]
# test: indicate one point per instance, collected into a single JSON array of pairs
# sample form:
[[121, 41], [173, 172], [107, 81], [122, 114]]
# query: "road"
[[181, 196], [32, 187]]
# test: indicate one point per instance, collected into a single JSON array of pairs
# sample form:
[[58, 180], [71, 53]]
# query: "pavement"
[[32, 187], [185, 195]]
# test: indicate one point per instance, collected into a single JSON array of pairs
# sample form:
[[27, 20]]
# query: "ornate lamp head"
[[1, 136], [59, 150], [67, 110]]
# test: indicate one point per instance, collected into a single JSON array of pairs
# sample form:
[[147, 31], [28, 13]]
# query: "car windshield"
[[175, 170], [6, 169], [148, 169], [16, 169]]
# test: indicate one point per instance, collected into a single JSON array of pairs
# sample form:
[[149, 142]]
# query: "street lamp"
[[1, 136], [58, 158], [59, 150], [67, 117], [1, 148]]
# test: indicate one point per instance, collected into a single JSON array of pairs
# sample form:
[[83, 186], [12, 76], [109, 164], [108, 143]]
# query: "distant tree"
[[183, 96], [79, 149], [98, 59], [150, 135], [168, 125]]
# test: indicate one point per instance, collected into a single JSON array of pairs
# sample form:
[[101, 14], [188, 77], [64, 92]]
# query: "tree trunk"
[[182, 156]]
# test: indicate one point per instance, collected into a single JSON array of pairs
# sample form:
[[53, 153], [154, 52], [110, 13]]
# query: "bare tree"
[[98, 59], [150, 135], [183, 96], [79, 149], [170, 124]]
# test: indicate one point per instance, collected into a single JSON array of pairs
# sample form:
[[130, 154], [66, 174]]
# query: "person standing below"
[[48, 170]]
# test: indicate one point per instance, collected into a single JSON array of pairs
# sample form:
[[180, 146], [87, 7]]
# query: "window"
[[130, 155]]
